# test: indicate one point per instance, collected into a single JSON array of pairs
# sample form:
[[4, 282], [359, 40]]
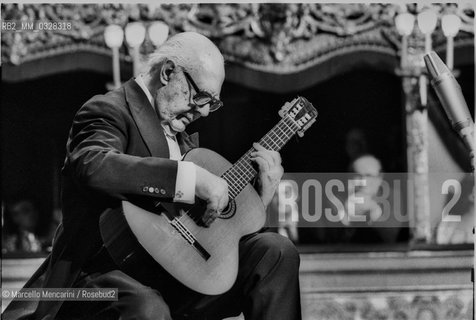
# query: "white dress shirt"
[[186, 172]]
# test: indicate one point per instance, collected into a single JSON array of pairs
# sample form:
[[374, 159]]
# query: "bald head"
[[196, 54], [367, 165]]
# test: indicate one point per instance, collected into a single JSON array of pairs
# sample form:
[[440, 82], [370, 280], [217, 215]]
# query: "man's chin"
[[177, 126]]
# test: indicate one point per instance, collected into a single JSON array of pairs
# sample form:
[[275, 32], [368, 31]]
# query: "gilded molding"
[[449, 305], [274, 37]]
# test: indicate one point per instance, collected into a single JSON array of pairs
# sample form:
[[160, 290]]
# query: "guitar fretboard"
[[242, 172]]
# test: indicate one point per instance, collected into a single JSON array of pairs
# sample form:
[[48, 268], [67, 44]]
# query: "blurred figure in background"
[[355, 143], [382, 226], [21, 223], [451, 232], [368, 169], [380, 223]]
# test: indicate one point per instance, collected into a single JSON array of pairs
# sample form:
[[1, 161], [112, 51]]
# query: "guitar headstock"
[[301, 111]]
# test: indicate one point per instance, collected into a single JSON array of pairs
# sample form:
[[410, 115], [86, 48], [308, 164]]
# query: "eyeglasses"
[[202, 97]]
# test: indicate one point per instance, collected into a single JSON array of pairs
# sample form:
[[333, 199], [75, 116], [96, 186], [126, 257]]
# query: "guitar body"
[[155, 233]]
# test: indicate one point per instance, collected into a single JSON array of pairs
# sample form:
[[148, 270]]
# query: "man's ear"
[[166, 71]]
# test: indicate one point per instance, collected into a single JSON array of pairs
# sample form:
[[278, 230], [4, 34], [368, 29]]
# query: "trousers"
[[267, 287]]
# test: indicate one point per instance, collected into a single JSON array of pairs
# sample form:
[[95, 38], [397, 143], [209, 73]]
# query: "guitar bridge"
[[189, 237]]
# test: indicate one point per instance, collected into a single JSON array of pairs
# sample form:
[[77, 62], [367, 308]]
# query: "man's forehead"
[[209, 80]]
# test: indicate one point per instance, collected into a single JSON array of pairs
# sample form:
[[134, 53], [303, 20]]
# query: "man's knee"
[[149, 305], [279, 251]]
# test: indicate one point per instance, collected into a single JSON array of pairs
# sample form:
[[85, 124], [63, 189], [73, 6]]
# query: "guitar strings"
[[240, 174], [244, 164]]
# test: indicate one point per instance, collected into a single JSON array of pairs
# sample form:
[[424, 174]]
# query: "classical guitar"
[[203, 258]]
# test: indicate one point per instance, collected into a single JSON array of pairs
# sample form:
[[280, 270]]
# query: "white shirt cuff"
[[185, 183]]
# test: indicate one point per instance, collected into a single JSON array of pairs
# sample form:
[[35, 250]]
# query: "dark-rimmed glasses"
[[202, 97]]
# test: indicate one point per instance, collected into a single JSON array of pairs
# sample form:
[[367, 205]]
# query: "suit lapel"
[[146, 120]]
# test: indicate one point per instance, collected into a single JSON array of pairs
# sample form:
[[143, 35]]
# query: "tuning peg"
[[285, 108], [301, 132]]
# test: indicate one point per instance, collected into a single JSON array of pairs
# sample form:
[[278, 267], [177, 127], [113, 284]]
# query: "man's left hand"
[[270, 171]]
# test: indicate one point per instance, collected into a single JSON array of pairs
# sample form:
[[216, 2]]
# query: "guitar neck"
[[242, 171]]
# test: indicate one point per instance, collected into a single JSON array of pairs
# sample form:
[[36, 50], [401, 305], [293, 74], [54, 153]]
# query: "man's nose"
[[203, 110]]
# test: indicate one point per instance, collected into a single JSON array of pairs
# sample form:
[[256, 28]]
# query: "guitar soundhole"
[[229, 211]]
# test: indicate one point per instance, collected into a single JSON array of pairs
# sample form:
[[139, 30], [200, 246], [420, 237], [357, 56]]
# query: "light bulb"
[[427, 21], [135, 34], [113, 36], [450, 23], [158, 33], [405, 23]]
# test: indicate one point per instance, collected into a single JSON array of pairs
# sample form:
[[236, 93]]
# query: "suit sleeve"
[[96, 155]]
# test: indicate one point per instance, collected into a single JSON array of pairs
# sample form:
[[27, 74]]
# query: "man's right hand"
[[212, 189]]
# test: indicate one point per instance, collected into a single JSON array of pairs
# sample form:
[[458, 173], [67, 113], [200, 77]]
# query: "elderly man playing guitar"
[[125, 151]]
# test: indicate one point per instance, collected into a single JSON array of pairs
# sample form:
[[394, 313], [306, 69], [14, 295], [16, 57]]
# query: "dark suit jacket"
[[116, 151]]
